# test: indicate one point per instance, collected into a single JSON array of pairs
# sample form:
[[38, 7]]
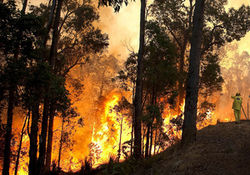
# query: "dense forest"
[[68, 105]]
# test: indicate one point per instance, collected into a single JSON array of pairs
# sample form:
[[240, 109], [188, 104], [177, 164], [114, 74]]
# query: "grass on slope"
[[222, 149]]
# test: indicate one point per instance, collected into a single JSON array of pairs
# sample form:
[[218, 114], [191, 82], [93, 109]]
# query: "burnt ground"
[[222, 149]]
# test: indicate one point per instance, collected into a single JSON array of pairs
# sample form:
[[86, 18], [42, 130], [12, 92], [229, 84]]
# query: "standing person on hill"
[[237, 106]]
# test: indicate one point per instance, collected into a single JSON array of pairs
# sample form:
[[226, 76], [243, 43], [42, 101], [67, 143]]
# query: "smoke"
[[235, 68], [122, 28]]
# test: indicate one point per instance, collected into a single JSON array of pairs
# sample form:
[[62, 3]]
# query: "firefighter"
[[237, 106]]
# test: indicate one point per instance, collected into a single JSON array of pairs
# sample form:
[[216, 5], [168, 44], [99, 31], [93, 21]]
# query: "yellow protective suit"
[[237, 107]]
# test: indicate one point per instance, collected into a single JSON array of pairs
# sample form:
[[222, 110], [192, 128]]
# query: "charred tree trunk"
[[190, 113], [33, 139], [50, 138], [21, 140], [25, 2], [133, 123], [42, 140], [42, 147], [55, 39], [144, 130], [120, 141], [155, 141], [49, 25], [132, 137], [182, 79], [61, 144], [151, 141], [138, 93], [7, 147], [52, 58], [147, 141]]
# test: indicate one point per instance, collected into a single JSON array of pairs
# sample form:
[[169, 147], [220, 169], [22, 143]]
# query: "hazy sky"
[[123, 27]]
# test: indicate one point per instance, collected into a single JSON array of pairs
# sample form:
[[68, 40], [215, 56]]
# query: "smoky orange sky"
[[123, 27]]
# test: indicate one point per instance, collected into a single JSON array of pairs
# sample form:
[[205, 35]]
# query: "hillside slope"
[[222, 149]]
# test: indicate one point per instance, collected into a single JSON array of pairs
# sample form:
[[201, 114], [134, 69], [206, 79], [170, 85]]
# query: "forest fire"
[[68, 103], [105, 138]]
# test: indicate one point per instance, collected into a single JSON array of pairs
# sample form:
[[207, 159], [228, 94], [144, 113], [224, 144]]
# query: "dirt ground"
[[222, 149]]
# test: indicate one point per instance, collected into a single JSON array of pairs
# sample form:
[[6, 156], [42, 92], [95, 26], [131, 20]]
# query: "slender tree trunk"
[[182, 79], [132, 137], [25, 2], [133, 123], [42, 147], [52, 58], [151, 141], [147, 141], [33, 139], [138, 93], [7, 146], [55, 39], [155, 142], [20, 143], [120, 141], [42, 140], [49, 25], [61, 144], [190, 113], [143, 138], [50, 138]]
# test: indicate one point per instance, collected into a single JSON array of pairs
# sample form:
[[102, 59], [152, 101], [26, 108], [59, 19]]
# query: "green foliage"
[[211, 79], [237, 23], [19, 35], [159, 59]]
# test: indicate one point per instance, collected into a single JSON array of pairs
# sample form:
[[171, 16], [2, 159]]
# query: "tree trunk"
[[181, 85], [25, 2], [133, 123], [61, 144], [42, 140], [182, 78], [190, 113], [53, 50], [147, 141], [155, 141], [49, 25], [132, 137], [7, 146], [151, 141], [52, 59], [120, 142], [33, 139], [138, 93], [50, 138], [20, 143]]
